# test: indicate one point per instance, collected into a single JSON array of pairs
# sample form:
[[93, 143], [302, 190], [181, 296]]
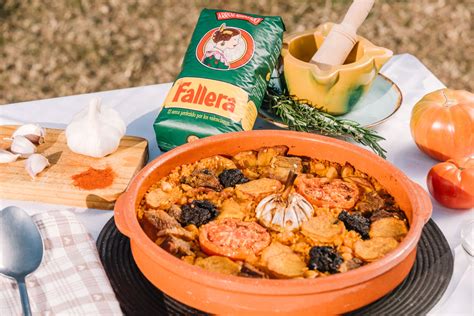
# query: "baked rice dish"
[[266, 214]]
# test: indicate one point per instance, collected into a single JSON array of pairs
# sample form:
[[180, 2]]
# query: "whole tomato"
[[451, 183], [442, 124]]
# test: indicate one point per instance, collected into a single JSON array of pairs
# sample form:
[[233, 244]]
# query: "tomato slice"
[[324, 192], [233, 238]]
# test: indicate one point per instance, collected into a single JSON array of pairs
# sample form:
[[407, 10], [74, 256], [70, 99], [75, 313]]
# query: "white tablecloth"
[[139, 107]]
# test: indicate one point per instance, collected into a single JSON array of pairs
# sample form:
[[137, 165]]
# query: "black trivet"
[[418, 293]]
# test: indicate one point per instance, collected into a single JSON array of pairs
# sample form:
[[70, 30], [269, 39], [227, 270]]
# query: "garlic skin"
[[22, 146], [6, 156], [95, 131], [35, 164], [33, 132], [284, 215]]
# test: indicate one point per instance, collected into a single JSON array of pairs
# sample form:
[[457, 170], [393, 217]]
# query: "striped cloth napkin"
[[70, 279]]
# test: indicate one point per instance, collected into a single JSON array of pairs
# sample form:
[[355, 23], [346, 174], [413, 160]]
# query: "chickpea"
[[332, 173], [166, 186]]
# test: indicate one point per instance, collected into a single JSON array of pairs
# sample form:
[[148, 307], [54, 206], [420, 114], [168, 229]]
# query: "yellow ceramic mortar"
[[336, 90]]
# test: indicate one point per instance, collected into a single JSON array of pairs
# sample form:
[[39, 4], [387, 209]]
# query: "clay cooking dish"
[[224, 294]]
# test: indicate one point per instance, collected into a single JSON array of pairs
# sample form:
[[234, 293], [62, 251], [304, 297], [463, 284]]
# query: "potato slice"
[[160, 199], [375, 248], [216, 163], [257, 189], [282, 262], [218, 264], [321, 229], [286, 266], [274, 249], [231, 209], [388, 227]]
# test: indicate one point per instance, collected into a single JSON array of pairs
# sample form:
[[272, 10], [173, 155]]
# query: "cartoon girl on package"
[[224, 40]]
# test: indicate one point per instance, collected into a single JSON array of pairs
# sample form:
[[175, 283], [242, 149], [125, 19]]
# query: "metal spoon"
[[21, 249]]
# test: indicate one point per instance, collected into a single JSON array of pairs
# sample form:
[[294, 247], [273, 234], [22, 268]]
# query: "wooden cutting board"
[[55, 184]]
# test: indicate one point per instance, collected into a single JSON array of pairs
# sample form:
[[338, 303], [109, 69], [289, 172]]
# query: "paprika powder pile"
[[92, 178]]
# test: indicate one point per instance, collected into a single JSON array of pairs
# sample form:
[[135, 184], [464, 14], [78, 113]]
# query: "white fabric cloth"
[[70, 278], [139, 107]]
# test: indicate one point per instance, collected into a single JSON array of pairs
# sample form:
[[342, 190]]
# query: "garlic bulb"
[[6, 156], [33, 132], [278, 214], [35, 164], [22, 146], [286, 211], [95, 131]]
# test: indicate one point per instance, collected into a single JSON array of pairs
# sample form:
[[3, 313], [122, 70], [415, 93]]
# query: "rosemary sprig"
[[301, 116]]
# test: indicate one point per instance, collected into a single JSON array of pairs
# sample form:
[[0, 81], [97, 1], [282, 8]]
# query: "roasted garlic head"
[[284, 211]]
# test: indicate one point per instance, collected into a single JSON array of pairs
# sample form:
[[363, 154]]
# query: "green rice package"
[[223, 78]]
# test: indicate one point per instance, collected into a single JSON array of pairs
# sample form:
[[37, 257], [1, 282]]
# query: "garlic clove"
[[35, 164], [33, 132], [6, 156], [22, 146], [264, 209], [267, 214], [95, 131], [279, 216], [292, 221]]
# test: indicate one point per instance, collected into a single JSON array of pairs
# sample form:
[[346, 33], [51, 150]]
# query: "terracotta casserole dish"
[[224, 294]]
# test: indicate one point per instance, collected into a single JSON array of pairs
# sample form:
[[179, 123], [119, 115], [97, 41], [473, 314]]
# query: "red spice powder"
[[92, 178]]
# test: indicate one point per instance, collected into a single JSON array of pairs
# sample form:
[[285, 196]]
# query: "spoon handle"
[[25, 302]]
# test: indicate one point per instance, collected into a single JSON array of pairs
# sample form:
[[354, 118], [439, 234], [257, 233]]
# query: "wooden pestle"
[[342, 37]]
